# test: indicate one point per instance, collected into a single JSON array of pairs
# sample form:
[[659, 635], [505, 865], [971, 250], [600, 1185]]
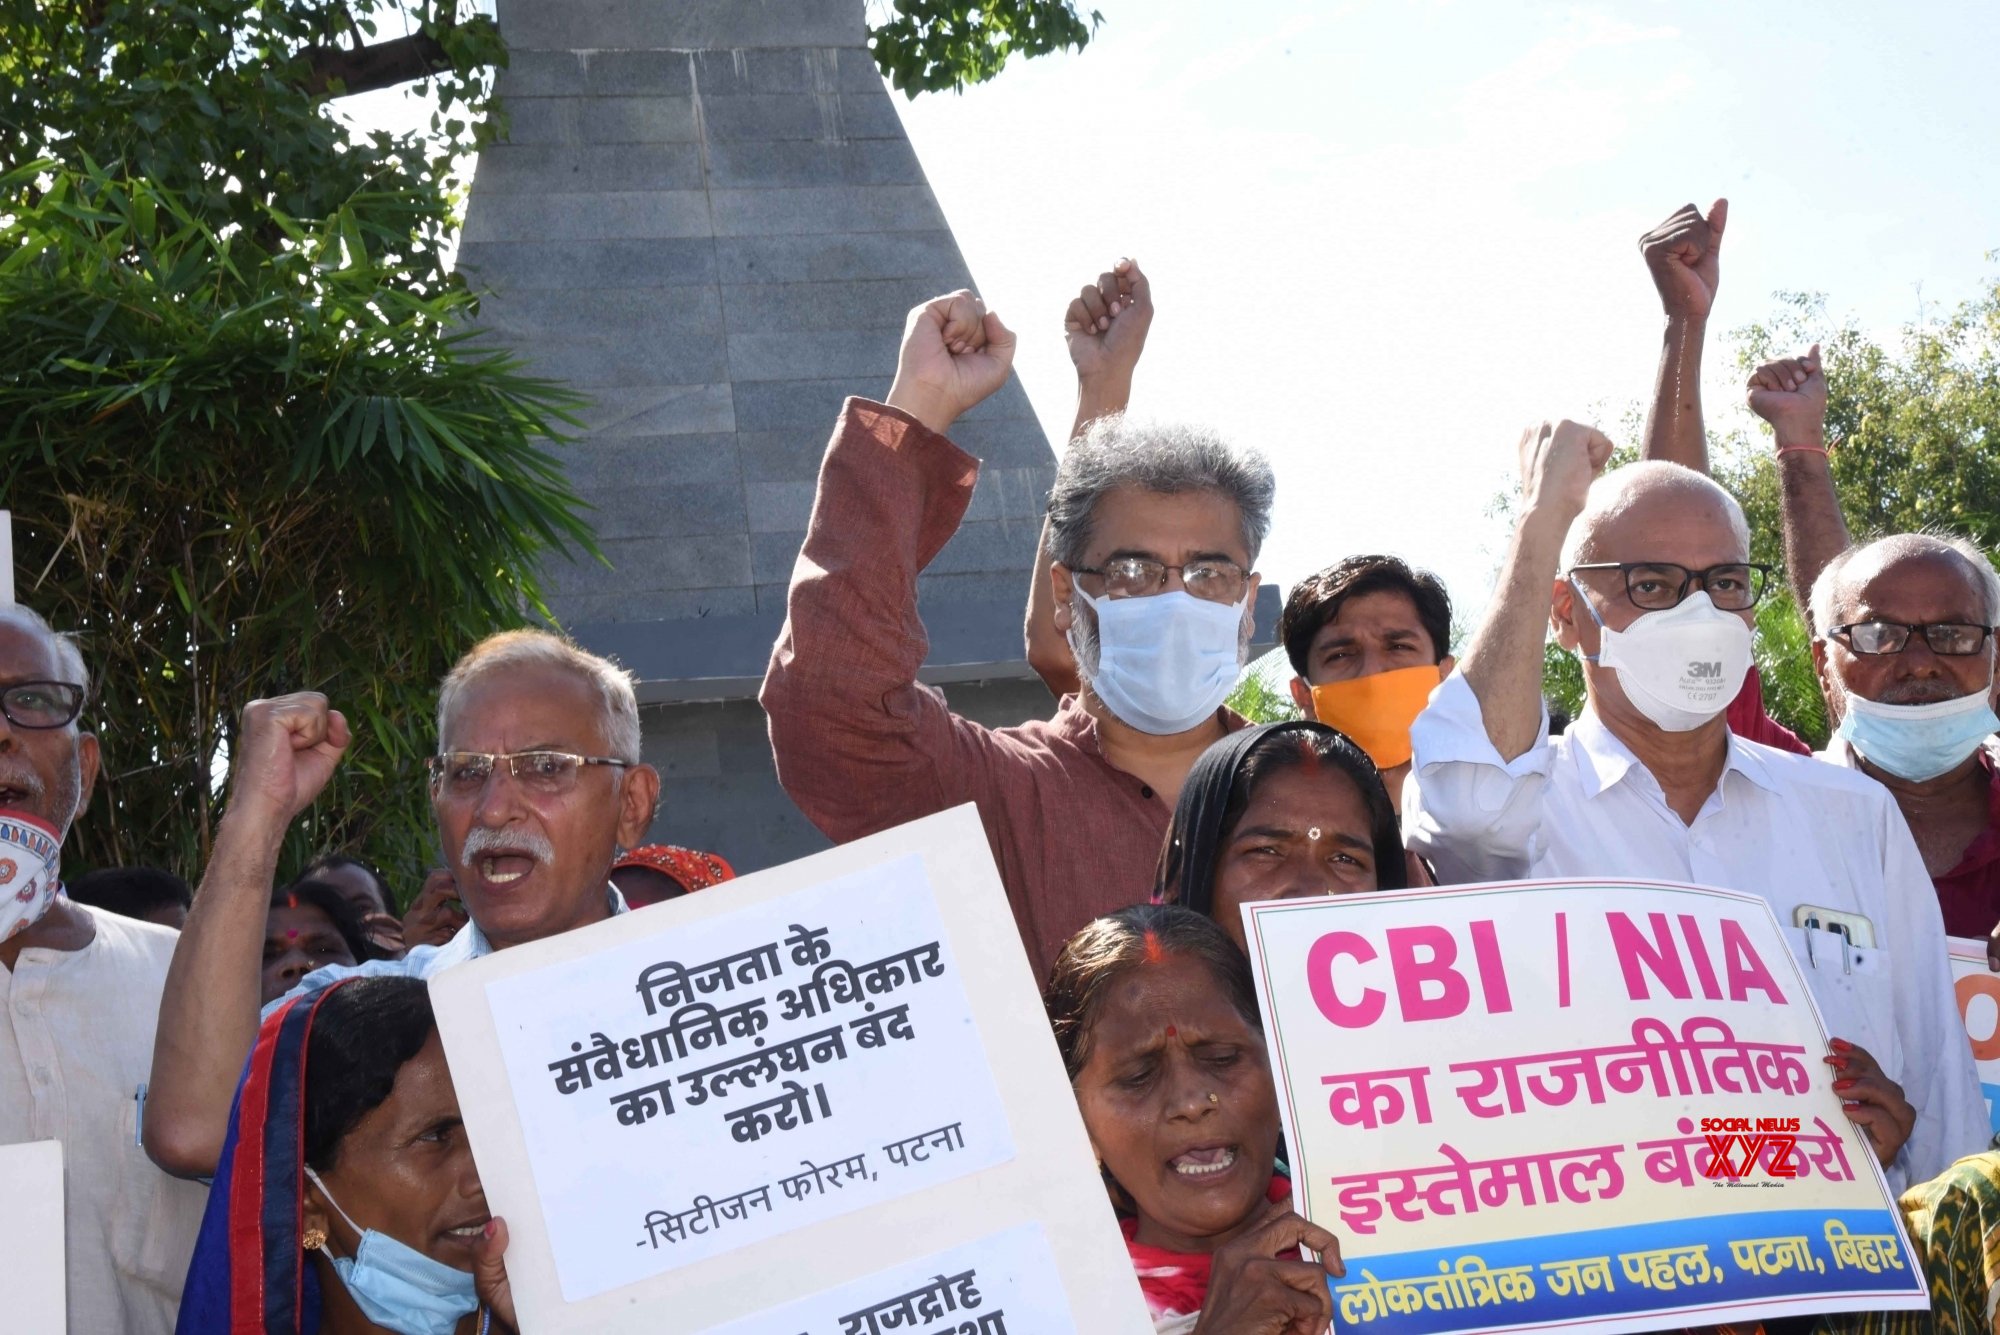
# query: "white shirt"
[[1789, 828], [76, 1045]]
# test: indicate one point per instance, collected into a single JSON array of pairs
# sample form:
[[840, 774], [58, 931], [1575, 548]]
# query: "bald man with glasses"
[[1645, 574]]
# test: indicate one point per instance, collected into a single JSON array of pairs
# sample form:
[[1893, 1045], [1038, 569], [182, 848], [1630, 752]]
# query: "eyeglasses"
[[1658, 585], [1954, 639], [1215, 581], [41, 704], [543, 773]]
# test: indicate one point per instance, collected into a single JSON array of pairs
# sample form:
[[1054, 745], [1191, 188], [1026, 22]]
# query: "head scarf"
[[696, 871], [1186, 872], [249, 1275]]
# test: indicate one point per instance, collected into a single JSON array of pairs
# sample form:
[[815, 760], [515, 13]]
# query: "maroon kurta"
[[861, 745]]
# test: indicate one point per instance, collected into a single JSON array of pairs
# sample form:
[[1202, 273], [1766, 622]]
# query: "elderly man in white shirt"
[[1652, 586], [78, 989], [536, 786]]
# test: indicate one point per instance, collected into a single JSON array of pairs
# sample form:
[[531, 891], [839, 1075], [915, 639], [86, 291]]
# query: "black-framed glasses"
[[545, 773], [1217, 580], [41, 704], [1953, 639], [1658, 585]]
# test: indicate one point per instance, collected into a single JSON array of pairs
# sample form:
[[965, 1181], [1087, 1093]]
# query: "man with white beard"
[[537, 784]]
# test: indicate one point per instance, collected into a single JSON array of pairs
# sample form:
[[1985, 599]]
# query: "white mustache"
[[483, 839]]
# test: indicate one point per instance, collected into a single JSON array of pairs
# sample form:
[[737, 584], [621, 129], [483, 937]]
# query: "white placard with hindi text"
[[800, 1059], [31, 1237], [976, 1289], [811, 1081]]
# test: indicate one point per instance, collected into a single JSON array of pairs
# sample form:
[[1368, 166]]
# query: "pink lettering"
[[1746, 970], [1656, 956], [1416, 977], [1319, 977]]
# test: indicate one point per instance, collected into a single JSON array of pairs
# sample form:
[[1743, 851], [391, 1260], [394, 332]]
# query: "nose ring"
[[1214, 1098]]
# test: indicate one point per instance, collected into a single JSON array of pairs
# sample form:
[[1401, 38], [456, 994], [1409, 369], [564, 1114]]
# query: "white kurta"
[[1790, 828]]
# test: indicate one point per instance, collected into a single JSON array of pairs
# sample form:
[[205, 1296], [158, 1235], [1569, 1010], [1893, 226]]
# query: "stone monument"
[[706, 218]]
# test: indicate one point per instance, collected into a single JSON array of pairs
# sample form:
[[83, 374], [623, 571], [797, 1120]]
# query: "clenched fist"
[[955, 353], [1559, 461], [1684, 255], [284, 753], [1106, 325], [1790, 394]]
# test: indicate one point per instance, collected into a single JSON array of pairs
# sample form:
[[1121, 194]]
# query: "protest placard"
[[787, 1093], [1978, 989], [1599, 1105], [31, 1238]]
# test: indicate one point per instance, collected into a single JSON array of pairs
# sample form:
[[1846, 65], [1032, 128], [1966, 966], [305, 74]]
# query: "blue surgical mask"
[[1918, 742], [1165, 663], [396, 1286]]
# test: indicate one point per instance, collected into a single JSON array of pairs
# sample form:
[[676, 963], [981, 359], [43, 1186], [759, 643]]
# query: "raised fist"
[[1106, 325], [1790, 394], [1683, 254], [1559, 461], [955, 353], [284, 753]]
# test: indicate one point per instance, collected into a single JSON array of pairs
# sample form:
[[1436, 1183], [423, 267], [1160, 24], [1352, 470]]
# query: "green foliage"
[[1914, 435], [924, 46], [1262, 694], [248, 445], [1914, 430]]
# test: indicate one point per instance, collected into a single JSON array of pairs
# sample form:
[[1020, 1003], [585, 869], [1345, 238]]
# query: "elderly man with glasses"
[[1645, 574], [1154, 533], [536, 786], [78, 989]]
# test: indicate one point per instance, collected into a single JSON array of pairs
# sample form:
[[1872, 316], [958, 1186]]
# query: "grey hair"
[[1612, 495], [513, 649], [1164, 457], [69, 655], [1825, 601]]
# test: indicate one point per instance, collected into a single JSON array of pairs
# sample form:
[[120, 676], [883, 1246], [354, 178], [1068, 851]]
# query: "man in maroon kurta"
[[1076, 806]]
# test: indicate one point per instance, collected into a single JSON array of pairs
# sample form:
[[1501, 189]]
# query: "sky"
[[1384, 236]]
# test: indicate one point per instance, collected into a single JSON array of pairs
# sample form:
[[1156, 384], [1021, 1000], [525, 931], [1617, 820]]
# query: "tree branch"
[[368, 68]]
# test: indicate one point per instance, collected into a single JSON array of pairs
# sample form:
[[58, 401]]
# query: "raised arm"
[[1790, 394], [1106, 327], [285, 752], [1503, 664], [860, 745], [1683, 254]]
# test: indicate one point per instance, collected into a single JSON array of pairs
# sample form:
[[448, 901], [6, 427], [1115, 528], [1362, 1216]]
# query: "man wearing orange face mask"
[[1368, 637]]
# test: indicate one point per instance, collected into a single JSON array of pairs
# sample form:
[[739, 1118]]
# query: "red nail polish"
[[1845, 1084], [487, 1232], [1841, 1045], [1837, 1063]]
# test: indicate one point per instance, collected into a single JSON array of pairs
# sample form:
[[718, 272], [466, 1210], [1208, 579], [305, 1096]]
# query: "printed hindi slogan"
[[1007, 1282], [1978, 989], [1598, 1105], [806, 1059]]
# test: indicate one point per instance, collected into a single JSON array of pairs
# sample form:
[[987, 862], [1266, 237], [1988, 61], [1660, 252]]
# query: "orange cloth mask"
[[1377, 711]]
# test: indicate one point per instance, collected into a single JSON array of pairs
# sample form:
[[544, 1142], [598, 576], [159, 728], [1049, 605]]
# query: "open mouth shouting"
[[498, 859], [1200, 1165]]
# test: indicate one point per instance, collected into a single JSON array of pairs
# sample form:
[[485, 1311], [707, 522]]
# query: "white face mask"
[[1166, 662], [1680, 666], [30, 871]]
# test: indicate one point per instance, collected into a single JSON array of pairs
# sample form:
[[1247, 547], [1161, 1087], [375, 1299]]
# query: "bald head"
[[1658, 511], [1951, 577]]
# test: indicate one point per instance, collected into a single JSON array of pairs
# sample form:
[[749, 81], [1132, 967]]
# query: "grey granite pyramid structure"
[[707, 219]]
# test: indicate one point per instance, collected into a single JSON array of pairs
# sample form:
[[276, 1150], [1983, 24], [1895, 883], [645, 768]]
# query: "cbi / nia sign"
[[1739, 1146]]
